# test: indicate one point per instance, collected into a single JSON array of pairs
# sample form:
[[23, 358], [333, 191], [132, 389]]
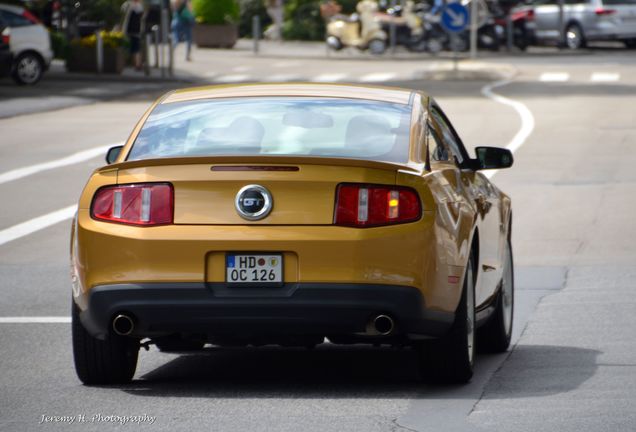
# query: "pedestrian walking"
[[182, 23], [133, 14]]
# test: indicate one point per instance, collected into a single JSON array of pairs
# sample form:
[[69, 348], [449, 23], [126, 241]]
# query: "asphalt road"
[[573, 364]]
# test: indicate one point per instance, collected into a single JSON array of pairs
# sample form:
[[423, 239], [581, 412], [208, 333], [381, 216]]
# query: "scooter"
[[408, 26], [489, 33], [361, 30]]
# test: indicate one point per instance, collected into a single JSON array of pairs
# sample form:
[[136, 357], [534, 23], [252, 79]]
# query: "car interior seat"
[[244, 134]]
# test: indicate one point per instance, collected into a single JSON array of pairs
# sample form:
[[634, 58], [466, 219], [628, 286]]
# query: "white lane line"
[[36, 224], [527, 119], [604, 77], [287, 64], [35, 320], [377, 77], [329, 77], [57, 163], [284, 78], [241, 69], [554, 77], [232, 78]]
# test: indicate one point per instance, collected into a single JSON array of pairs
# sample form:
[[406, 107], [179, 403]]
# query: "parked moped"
[[361, 30]]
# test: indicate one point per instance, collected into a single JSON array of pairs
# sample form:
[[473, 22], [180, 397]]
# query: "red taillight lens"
[[361, 205], [530, 15], [6, 36], [143, 204], [602, 11]]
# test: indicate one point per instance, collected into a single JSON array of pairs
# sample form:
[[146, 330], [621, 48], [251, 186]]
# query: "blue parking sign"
[[454, 17]]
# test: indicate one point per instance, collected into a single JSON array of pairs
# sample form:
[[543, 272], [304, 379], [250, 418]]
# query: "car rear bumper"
[[213, 309]]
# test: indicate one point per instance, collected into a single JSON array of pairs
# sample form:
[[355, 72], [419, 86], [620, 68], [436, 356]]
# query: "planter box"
[[215, 36], [84, 59]]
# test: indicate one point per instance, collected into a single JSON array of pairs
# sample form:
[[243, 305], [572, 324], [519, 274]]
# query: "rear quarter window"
[[11, 19]]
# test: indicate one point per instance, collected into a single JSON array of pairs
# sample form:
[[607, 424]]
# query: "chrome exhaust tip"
[[123, 325], [382, 325]]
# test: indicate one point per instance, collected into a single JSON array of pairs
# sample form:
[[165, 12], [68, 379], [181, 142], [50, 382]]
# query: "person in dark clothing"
[[133, 14]]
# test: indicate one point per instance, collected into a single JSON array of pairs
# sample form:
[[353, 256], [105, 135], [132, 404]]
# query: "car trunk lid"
[[303, 189]]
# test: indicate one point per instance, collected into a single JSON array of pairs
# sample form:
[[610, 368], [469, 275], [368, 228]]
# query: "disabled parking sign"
[[454, 17]]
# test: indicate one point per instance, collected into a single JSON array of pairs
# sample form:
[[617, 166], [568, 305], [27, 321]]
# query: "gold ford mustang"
[[287, 214]]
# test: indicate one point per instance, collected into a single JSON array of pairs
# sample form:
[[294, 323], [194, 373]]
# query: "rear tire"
[[494, 337], [450, 360], [109, 361], [630, 43]]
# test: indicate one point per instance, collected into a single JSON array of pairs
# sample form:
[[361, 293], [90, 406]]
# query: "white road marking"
[[378, 77], [284, 78], [232, 78], [35, 320], [604, 77], [57, 163], [554, 77], [329, 77], [527, 119], [210, 74], [36, 224], [241, 69], [287, 64]]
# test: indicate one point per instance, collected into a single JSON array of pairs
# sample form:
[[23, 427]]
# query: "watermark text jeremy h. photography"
[[98, 418]]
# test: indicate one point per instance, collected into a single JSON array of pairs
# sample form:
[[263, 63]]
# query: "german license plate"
[[250, 269]]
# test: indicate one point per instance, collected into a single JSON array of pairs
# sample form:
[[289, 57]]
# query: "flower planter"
[[215, 36], [84, 59]]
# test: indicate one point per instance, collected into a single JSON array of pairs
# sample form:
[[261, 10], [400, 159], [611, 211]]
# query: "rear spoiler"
[[268, 159]]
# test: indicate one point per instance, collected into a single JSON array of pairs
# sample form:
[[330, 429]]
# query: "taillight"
[[602, 11], [530, 15], [6, 36], [362, 205], [143, 204]]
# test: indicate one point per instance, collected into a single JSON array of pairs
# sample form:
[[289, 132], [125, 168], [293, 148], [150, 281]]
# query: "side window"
[[14, 20], [448, 135], [437, 150]]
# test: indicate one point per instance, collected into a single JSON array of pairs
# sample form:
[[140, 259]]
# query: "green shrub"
[[216, 11], [249, 9], [107, 12], [59, 45], [348, 6], [303, 20]]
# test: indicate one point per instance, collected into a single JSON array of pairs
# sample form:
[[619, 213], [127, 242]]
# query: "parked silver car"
[[583, 21]]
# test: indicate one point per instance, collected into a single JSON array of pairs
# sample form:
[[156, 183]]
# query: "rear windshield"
[[326, 127]]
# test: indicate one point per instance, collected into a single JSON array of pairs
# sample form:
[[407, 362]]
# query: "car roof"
[[12, 8], [384, 94]]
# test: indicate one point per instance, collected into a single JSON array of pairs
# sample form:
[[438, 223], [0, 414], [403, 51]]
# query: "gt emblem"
[[253, 202]]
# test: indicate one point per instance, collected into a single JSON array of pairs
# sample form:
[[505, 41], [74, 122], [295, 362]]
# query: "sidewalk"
[[215, 65]]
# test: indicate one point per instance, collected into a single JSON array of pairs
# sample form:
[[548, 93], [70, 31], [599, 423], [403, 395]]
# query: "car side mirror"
[[493, 158], [113, 154]]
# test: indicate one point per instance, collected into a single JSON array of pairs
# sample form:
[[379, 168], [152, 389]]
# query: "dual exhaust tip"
[[381, 325], [123, 325]]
